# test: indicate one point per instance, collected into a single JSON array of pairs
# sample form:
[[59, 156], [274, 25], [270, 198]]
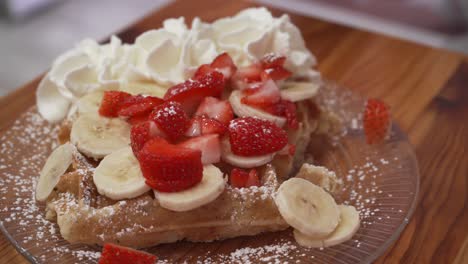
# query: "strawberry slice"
[[252, 137], [285, 109], [191, 92], [249, 73], [223, 64], [209, 145], [241, 178], [203, 125], [170, 168], [276, 73], [139, 105], [142, 133], [135, 120], [268, 94], [112, 102], [271, 60], [220, 110], [114, 254], [377, 121], [171, 119]]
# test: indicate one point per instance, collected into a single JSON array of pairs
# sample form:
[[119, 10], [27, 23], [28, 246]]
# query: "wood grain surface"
[[427, 89]]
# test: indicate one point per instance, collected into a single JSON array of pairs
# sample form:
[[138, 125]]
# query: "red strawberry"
[[111, 103], [203, 125], [209, 146], [249, 73], [135, 120], [191, 92], [114, 254], [252, 137], [241, 178], [203, 70], [377, 121], [285, 109], [223, 64], [271, 60], [171, 119], [276, 73], [170, 168], [142, 133], [220, 110], [139, 105], [268, 94]]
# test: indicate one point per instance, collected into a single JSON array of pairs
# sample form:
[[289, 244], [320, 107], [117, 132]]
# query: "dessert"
[[190, 134]]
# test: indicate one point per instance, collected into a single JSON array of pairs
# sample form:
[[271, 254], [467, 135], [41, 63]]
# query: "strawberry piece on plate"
[[285, 109], [114, 254], [203, 125], [377, 121], [276, 73], [112, 102], [209, 145], [268, 94], [135, 120], [249, 73], [142, 133], [191, 92], [271, 60], [171, 119], [220, 110], [139, 105], [170, 168], [223, 64], [240, 178], [253, 137]]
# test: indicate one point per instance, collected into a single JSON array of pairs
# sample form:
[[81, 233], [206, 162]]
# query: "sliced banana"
[[243, 110], [97, 136], [298, 91], [320, 176], [119, 176], [210, 187], [90, 103], [307, 207], [240, 161], [56, 165], [346, 229]]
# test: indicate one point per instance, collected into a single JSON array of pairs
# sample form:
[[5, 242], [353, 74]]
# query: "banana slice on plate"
[[243, 110], [119, 176], [206, 191], [97, 136], [346, 229], [56, 165], [307, 207], [298, 91], [90, 103], [240, 161]]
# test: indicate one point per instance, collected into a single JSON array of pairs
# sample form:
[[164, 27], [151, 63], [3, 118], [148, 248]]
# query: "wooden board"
[[427, 89]]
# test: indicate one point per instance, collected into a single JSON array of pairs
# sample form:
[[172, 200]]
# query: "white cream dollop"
[[170, 55]]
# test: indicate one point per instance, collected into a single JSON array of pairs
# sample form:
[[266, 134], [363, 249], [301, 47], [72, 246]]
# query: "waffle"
[[85, 216]]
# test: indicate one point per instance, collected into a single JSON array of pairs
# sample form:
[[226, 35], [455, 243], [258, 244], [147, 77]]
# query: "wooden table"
[[427, 89]]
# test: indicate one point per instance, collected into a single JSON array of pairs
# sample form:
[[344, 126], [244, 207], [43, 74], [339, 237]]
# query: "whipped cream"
[[168, 56]]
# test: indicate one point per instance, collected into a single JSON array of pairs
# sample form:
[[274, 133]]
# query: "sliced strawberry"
[[209, 145], [252, 137], [203, 70], [135, 120], [112, 102], [268, 94], [271, 60], [142, 133], [223, 64], [114, 254], [170, 168], [243, 179], [253, 179], [285, 109], [203, 125], [276, 73], [220, 110], [194, 129], [139, 105], [377, 121], [249, 73], [191, 92], [171, 119]]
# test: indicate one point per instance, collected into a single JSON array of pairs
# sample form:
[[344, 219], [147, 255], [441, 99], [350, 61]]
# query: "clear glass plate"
[[382, 181]]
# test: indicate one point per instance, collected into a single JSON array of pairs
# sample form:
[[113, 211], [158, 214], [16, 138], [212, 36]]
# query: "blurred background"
[[34, 32]]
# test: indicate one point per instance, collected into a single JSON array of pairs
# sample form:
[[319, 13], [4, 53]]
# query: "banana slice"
[[320, 176], [210, 187], [90, 103], [243, 110], [307, 207], [119, 176], [298, 91], [348, 226], [97, 136], [56, 165], [240, 161]]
